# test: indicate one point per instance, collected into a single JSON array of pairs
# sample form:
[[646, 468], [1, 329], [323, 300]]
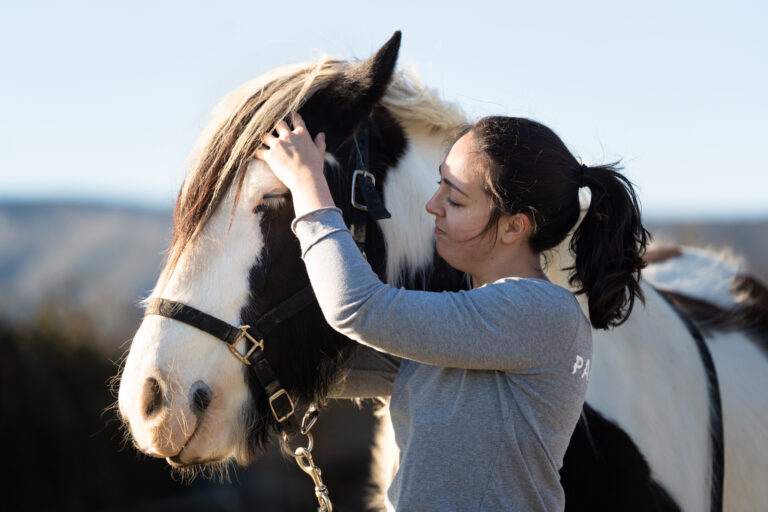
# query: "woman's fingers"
[[269, 139], [298, 121], [290, 145], [282, 129]]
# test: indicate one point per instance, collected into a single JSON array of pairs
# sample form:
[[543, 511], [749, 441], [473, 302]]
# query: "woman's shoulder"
[[538, 298], [534, 288], [536, 313]]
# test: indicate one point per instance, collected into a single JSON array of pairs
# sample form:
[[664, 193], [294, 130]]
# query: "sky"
[[102, 101]]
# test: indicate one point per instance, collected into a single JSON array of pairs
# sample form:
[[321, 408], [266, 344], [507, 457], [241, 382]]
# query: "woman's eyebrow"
[[449, 182]]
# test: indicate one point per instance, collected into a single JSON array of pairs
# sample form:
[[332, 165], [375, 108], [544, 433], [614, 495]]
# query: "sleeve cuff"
[[314, 226]]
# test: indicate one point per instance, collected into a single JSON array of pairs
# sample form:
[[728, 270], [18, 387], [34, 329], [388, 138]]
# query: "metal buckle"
[[244, 334], [355, 175], [275, 395]]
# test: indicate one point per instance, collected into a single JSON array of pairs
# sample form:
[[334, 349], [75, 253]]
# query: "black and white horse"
[[643, 442]]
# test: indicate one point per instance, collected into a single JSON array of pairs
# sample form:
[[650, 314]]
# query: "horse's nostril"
[[152, 397], [200, 395]]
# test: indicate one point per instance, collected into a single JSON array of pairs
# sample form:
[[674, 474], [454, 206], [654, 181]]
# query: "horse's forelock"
[[234, 133]]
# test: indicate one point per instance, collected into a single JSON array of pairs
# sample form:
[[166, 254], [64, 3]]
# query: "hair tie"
[[579, 174]]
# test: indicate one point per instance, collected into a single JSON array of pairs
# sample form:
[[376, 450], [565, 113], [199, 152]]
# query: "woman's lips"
[[439, 231]]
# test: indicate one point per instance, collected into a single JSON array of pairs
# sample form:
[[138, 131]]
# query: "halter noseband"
[[280, 402]]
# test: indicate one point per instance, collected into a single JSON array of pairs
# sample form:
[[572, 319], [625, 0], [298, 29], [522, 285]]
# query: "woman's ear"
[[513, 228]]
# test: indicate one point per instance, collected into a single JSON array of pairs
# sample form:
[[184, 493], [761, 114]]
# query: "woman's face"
[[462, 208]]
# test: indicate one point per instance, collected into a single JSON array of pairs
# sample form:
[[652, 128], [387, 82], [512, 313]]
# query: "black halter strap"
[[366, 202], [280, 402]]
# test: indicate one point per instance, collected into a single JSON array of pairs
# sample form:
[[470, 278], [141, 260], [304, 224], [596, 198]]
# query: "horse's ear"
[[339, 108], [367, 81]]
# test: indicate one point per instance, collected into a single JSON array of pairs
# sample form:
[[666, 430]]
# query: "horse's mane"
[[244, 116], [420, 109]]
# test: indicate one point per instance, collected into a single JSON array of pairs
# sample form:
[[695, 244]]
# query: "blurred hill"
[[57, 259]]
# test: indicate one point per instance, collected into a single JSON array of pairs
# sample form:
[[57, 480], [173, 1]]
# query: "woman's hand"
[[297, 161], [293, 156]]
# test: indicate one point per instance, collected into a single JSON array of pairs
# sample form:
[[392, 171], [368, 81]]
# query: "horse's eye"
[[270, 202]]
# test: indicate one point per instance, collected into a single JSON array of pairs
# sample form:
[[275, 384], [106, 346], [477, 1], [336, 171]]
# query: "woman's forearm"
[[310, 193]]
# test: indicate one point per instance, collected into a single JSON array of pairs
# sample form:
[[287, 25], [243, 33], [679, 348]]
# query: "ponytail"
[[609, 246]]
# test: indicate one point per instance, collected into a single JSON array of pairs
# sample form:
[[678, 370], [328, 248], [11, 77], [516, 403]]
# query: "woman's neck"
[[522, 265]]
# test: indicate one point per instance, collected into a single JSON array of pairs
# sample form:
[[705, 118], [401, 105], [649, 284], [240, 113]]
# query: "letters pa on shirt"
[[580, 364]]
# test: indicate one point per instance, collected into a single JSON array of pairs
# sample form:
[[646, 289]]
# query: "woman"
[[492, 379]]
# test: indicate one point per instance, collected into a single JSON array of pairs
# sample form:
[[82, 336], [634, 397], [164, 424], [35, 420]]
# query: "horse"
[[643, 441]]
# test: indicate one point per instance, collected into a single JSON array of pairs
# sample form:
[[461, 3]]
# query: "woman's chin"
[[447, 257]]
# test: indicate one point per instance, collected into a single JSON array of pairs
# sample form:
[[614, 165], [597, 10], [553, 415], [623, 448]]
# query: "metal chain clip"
[[303, 457]]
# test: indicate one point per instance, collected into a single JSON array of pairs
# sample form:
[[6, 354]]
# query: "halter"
[[279, 400], [280, 403]]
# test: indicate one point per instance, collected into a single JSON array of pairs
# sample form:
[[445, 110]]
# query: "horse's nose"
[[200, 395], [151, 398]]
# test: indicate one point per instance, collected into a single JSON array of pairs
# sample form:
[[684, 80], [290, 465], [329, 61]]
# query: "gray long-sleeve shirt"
[[491, 383]]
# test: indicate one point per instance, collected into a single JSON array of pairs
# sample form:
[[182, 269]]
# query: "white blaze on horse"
[[643, 442]]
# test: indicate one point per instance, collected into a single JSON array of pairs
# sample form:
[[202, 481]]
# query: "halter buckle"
[[285, 408], [353, 197], [257, 344]]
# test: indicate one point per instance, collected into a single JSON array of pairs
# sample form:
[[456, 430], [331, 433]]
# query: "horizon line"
[[155, 205]]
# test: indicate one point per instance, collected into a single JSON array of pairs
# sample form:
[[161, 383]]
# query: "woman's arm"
[[516, 324]]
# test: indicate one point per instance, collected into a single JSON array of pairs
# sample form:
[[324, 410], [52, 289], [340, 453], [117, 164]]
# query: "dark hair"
[[530, 171]]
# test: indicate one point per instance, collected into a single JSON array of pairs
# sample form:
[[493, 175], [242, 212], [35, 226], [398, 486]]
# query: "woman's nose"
[[431, 206]]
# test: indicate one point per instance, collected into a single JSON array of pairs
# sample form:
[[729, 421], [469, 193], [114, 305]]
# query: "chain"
[[303, 457]]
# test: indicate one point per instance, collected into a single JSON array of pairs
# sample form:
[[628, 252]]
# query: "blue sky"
[[103, 100]]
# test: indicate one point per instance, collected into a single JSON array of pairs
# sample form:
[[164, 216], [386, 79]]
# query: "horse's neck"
[[408, 234]]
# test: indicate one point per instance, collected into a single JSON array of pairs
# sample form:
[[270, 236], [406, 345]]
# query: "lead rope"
[[303, 457]]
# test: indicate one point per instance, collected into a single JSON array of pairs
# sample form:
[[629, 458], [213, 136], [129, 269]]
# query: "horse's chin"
[[178, 462], [214, 469], [197, 455], [188, 459]]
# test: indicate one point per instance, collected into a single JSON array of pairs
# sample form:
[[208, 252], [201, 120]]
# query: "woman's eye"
[[448, 198]]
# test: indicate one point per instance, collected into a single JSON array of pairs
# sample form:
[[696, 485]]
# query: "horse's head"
[[183, 393]]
